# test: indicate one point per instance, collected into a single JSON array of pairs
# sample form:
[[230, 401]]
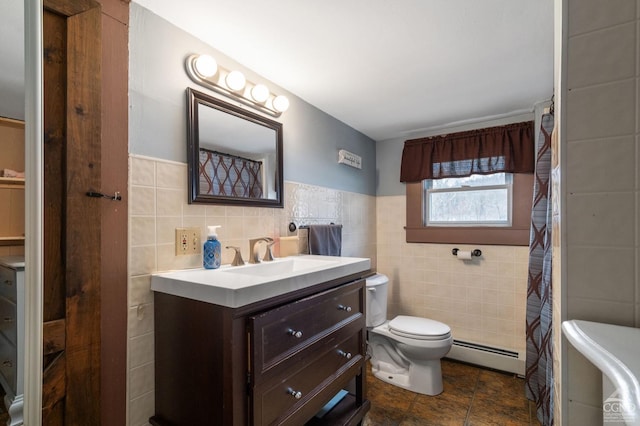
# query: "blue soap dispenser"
[[212, 249]]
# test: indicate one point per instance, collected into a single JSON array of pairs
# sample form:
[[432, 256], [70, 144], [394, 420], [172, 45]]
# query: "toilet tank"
[[376, 299]]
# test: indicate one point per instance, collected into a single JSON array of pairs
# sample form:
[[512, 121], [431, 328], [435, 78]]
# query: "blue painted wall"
[[157, 120]]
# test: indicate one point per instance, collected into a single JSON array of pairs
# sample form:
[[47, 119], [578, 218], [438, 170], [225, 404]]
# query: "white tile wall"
[[602, 56], [158, 204], [602, 198], [483, 300], [592, 165]]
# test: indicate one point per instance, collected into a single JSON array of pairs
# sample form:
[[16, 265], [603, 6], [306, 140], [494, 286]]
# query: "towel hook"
[[115, 197]]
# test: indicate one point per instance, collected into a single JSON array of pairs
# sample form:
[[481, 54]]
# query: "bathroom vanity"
[[261, 344]]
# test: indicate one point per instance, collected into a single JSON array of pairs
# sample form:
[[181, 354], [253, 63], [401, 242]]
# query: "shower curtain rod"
[[460, 123]]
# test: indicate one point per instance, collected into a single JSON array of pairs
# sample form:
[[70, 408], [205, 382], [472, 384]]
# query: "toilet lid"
[[419, 328], [376, 280]]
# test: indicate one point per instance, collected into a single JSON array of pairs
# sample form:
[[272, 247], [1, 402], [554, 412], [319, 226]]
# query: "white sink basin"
[[282, 266], [236, 286], [614, 350]]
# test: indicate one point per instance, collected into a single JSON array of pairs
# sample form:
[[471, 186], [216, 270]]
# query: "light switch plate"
[[188, 241]]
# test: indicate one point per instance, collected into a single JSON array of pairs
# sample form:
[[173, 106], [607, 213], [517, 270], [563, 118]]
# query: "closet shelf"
[[11, 182], [12, 241]]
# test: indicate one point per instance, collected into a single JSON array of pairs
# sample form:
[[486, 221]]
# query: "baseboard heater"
[[488, 356]]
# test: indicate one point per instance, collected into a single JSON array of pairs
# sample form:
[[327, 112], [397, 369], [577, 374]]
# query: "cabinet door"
[[300, 393], [304, 352], [8, 364], [291, 331], [8, 320], [8, 283]]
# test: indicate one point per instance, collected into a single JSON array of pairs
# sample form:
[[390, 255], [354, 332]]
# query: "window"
[[476, 200], [515, 234], [472, 187]]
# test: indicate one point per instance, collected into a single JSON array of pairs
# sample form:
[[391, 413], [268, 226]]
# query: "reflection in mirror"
[[234, 156]]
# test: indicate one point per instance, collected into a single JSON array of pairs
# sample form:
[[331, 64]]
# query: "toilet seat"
[[419, 328]]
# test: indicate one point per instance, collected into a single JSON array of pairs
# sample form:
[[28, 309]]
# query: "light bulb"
[[235, 80], [281, 103], [260, 93], [206, 66]]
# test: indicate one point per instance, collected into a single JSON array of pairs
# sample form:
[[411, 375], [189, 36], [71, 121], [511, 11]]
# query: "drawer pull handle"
[[295, 394], [8, 319], [296, 334], [8, 282], [344, 308], [7, 363], [347, 355]]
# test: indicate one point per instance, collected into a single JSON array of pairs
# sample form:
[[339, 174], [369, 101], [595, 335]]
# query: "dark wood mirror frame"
[[196, 98]]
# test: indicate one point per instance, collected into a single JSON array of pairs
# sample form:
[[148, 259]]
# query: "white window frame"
[[428, 190]]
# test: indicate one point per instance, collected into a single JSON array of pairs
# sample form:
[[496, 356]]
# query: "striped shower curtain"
[[539, 371]]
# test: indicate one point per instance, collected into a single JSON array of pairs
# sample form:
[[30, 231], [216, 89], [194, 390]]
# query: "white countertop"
[[235, 286], [14, 262], [615, 350]]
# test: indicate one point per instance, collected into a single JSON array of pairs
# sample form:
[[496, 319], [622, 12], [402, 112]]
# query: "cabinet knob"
[[344, 308], [347, 355], [296, 334], [295, 394]]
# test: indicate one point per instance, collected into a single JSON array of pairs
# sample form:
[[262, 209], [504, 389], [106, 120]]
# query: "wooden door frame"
[[112, 297], [95, 328], [71, 381]]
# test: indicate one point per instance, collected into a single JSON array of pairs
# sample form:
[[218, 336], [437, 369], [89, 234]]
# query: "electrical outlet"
[[188, 241]]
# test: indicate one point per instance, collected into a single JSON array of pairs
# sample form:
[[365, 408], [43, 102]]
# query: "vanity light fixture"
[[281, 103], [260, 93], [206, 66], [204, 70], [235, 81]]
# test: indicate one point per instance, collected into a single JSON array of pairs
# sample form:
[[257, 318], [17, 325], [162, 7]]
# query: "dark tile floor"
[[472, 396]]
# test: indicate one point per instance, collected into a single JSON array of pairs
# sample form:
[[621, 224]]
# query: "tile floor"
[[472, 396]]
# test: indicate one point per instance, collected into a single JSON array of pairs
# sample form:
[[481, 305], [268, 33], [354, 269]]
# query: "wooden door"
[[72, 144]]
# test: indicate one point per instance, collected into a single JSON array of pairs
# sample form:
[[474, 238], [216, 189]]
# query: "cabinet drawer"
[[278, 400], [281, 333], [8, 366], [8, 283], [8, 325]]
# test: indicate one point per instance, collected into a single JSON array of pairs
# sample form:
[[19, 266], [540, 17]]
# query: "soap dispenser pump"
[[212, 249]]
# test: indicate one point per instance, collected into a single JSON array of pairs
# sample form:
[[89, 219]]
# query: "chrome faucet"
[[237, 258], [253, 249], [268, 255]]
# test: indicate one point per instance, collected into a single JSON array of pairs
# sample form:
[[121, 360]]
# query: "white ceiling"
[[386, 68]]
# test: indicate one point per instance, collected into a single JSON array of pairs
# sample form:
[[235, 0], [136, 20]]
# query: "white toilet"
[[405, 351]]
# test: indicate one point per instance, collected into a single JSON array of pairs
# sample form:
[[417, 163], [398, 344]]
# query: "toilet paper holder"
[[474, 253]]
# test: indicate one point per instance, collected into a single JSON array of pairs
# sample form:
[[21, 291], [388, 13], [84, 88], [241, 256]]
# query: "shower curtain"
[[539, 371]]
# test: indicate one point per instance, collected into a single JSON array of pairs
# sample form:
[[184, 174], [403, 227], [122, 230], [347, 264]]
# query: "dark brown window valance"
[[498, 149]]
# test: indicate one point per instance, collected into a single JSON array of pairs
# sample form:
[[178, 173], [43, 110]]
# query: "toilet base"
[[425, 378]]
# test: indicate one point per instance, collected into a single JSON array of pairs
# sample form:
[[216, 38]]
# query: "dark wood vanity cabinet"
[[274, 362]]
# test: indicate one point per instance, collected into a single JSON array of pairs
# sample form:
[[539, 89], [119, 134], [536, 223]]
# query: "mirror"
[[234, 156]]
